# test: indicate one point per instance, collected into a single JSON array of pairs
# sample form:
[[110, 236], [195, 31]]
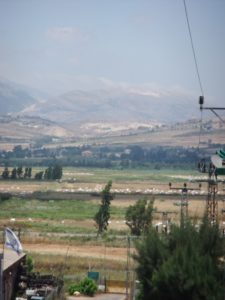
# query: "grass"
[[53, 210], [74, 269], [104, 175], [55, 216], [100, 175], [59, 222], [75, 179]]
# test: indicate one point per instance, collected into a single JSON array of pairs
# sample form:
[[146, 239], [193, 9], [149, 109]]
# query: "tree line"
[[50, 173], [130, 156]]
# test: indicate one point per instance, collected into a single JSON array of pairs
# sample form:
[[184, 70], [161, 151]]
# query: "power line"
[[193, 49]]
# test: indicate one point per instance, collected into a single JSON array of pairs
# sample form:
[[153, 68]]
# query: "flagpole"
[[2, 266]]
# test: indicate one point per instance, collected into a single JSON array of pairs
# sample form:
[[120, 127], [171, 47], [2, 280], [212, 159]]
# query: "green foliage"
[[103, 215], [132, 155], [74, 288], [139, 216], [5, 173], [53, 172], [57, 172], [39, 175], [5, 196], [14, 173], [27, 172], [187, 264], [86, 287], [30, 264], [48, 173], [19, 171]]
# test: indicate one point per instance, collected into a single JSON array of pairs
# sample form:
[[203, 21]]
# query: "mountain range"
[[102, 105]]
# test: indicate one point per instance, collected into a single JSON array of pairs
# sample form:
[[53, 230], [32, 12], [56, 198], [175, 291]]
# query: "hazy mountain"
[[103, 105], [115, 106], [14, 98]]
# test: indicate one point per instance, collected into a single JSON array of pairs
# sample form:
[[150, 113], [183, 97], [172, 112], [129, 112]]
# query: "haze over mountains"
[[102, 105]]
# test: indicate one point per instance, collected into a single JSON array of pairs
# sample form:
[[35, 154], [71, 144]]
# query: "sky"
[[61, 45]]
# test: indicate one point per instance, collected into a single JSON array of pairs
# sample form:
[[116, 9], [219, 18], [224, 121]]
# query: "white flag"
[[12, 241]]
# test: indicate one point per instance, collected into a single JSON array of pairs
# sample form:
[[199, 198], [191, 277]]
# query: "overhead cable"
[[193, 48]]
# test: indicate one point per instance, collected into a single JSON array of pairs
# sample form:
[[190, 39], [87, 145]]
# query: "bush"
[[87, 287], [5, 196], [30, 264], [74, 288]]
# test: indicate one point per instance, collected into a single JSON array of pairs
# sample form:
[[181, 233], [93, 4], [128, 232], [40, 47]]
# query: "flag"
[[12, 241]]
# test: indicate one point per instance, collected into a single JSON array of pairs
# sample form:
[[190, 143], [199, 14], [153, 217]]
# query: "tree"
[[57, 172], [5, 173], [139, 216], [48, 173], [14, 173], [19, 171], [53, 172], [186, 264], [39, 175], [137, 153], [29, 173], [25, 175], [102, 216]]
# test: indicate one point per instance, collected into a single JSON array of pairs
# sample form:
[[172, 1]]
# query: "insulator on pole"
[[201, 101]]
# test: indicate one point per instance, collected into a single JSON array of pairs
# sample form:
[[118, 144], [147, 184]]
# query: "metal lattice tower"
[[184, 203], [212, 202], [211, 199]]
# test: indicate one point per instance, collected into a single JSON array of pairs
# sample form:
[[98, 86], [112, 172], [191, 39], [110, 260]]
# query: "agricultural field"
[[55, 218], [93, 179]]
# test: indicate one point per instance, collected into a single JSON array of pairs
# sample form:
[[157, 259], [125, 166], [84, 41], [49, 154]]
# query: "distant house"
[[86, 153], [127, 151]]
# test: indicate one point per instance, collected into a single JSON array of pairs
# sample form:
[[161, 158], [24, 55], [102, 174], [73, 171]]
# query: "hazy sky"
[[61, 45]]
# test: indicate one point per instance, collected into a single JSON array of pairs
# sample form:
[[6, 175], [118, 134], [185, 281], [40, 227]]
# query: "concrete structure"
[[11, 267]]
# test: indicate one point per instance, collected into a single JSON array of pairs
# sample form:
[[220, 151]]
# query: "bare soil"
[[111, 253]]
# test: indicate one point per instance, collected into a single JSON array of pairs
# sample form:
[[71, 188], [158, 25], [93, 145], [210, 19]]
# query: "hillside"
[[13, 97], [112, 116], [115, 106], [15, 130]]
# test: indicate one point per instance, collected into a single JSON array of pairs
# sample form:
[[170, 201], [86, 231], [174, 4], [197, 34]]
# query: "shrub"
[[30, 264], [87, 287], [73, 288]]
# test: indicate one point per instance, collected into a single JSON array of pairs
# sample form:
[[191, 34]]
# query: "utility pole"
[[212, 109], [1, 276], [128, 268], [165, 219], [2, 297], [184, 201]]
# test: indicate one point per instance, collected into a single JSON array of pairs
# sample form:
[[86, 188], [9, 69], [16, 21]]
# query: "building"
[[11, 268]]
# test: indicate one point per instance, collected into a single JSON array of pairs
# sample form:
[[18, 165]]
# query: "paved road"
[[100, 297]]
